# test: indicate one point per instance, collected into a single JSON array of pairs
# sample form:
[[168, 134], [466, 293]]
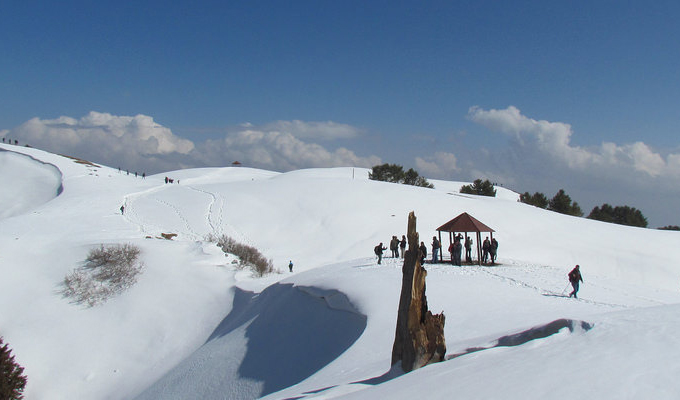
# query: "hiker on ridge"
[[574, 278]]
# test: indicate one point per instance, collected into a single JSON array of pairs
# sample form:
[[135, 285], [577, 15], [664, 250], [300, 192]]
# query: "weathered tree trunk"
[[419, 338]]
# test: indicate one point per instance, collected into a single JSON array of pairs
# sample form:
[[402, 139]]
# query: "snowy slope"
[[195, 327]]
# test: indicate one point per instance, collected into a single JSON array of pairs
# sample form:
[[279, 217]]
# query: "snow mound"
[[25, 183]]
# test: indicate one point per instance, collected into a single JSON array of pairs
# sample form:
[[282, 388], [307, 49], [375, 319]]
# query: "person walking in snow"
[[378, 250], [122, 209], [402, 245], [290, 265], [435, 249], [574, 278]]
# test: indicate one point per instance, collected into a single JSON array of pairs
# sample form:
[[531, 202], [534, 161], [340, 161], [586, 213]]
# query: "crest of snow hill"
[[419, 338]]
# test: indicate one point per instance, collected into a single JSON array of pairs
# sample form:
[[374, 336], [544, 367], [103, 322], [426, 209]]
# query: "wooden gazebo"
[[465, 223]]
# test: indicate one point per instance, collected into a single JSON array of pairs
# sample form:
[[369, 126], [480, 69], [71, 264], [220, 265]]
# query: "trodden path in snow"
[[187, 211], [551, 281]]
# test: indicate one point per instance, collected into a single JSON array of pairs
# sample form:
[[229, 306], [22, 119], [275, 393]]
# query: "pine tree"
[[562, 203], [537, 199], [395, 173], [12, 380], [479, 187], [622, 215]]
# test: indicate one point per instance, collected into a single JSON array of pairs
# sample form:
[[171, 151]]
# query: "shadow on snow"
[[295, 331]]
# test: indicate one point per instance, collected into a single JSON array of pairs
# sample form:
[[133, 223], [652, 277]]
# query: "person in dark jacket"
[[394, 247], [468, 249], [574, 278], [457, 250], [493, 250], [486, 246], [402, 245], [435, 249], [423, 253], [378, 251]]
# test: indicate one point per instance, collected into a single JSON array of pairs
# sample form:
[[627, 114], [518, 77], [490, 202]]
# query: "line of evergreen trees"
[[479, 187], [562, 203], [395, 173]]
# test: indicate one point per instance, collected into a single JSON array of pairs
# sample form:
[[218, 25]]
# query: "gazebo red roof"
[[464, 223]]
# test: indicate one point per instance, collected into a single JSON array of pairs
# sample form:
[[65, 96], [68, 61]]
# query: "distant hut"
[[465, 223], [236, 164]]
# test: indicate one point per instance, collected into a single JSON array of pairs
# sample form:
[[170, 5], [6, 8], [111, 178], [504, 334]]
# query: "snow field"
[[193, 324]]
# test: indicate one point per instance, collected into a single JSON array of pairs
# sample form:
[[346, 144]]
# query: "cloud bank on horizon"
[[139, 143], [538, 156]]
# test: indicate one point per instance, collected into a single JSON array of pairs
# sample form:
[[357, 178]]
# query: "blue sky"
[[352, 82]]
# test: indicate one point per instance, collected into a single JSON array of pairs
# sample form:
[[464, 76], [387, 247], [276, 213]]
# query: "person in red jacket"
[[574, 278]]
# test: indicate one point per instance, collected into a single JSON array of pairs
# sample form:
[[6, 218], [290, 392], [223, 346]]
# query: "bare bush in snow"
[[248, 256], [107, 271]]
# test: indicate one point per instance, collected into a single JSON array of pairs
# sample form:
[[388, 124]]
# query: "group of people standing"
[[398, 248], [489, 249]]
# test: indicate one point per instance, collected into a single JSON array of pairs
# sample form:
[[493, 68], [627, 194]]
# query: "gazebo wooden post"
[[479, 248], [447, 249], [440, 246]]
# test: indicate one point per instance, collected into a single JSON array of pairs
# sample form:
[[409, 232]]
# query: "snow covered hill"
[[194, 326]]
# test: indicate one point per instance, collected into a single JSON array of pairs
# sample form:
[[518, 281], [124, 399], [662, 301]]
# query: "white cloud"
[[280, 151], [328, 130], [139, 143], [440, 165], [541, 157], [129, 142], [139, 133], [554, 139]]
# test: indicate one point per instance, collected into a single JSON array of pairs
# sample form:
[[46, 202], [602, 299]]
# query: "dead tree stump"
[[419, 338]]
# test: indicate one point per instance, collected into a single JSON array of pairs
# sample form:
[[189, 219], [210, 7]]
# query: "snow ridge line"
[[334, 299], [60, 189]]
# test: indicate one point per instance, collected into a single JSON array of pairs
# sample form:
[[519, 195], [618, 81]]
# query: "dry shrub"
[[248, 256], [107, 271]]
